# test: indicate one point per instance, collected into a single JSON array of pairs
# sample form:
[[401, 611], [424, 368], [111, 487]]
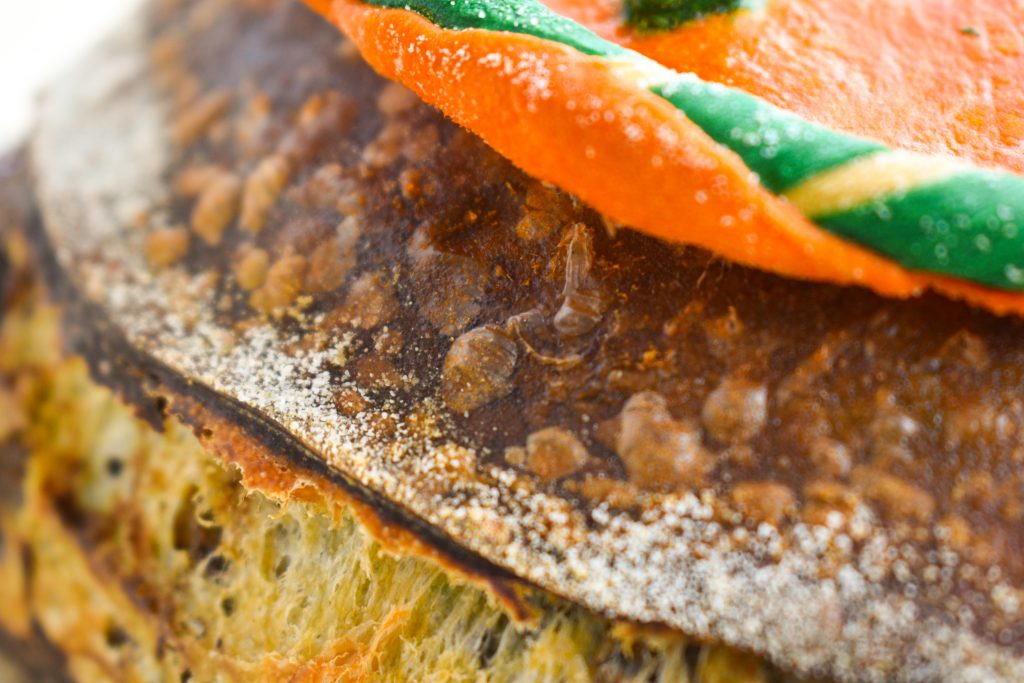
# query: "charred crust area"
[[361, 276]]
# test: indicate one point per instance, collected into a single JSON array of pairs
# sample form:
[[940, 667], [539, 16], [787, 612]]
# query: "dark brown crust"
[[271, 460], [817, 435]]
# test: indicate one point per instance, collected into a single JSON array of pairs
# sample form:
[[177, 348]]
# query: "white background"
[[39, 38]]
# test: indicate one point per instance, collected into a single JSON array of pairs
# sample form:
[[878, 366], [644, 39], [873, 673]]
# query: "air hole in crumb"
[[195, 538], [115, 466], [160, 403], [492, 641], [186, 676], [115, 636], [217, 564], [282, 566], [69, 511], [692, 657], [227, 606]]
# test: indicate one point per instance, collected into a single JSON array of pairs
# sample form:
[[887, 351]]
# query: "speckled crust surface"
[[812, 473]]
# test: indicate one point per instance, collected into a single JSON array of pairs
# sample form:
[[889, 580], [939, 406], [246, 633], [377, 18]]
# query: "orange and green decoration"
[[659, 15], [667, 149]]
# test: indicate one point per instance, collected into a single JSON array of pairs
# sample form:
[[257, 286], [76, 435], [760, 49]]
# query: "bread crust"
[[787, 468]]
